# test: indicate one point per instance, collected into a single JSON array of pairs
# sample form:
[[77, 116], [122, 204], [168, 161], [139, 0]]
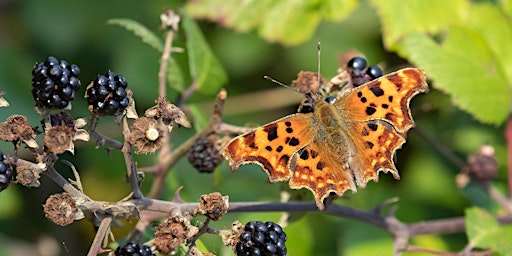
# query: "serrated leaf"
[[205, 70], [287, 22], [175, 76], [485, 16], [141, 31], [484, 231], [466, 71], [399, 18]]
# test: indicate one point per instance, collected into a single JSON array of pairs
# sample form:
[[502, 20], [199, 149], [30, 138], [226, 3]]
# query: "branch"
[[100, 234]]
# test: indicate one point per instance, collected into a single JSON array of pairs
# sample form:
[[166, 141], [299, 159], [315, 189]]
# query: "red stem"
[[508, 137]]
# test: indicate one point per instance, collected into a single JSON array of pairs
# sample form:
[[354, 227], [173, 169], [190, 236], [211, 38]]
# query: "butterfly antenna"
[[275, 81], [319, 49]]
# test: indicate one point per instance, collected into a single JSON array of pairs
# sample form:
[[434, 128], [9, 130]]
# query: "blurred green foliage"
[[464, 59]]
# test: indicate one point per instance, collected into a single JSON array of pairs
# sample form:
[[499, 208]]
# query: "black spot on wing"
[[271, 130]]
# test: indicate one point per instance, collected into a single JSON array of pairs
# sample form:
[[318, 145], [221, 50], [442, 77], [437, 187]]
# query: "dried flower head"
[[60, 209], [231, 236], [58, 139], [169, 113], [16, 128], [213, 205], [173, 232], [27, 175], [147, 135]]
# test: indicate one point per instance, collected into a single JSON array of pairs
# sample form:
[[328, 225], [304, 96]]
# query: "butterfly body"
[[340, 144]]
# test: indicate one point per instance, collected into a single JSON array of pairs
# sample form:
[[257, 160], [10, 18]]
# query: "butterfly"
[[341, 143]]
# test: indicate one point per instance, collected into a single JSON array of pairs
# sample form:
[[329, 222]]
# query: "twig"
[[130, 163], [100, 138], [100, 234], [441, 148]]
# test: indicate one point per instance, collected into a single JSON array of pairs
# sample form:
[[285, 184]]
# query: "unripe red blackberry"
[[5, 173], [260, 238], [107, 95], [54, 83], [132, 249]]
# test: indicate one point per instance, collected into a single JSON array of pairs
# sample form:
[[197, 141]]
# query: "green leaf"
[[506, 6], [481, 227], [200, 118], [141, 31], [485, 16], [205, 70], [287, 22], [466, 71], [175, 76], [484, 231], [399, 18]]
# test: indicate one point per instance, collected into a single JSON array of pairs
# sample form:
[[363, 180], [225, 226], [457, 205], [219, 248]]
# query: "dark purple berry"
[[374, 71], [133, 249], [5, 173], [357, 63], [107, 95], [260, 238], [51, 83]]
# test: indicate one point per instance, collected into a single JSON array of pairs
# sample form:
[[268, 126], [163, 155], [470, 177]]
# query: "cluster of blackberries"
[[54, 83], [5, 173], [106, 95], [360, 73], [204, 155], [132, 249], [260, 238]]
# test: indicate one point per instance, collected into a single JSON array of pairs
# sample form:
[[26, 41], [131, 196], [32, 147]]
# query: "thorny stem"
[[100, 138], [100, 234], [169, 160], [130, 163]]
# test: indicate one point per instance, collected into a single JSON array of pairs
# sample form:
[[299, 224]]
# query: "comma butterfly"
[[350, 139]]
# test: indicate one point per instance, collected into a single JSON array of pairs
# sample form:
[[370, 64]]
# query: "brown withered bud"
[[147, 135], [483, 165], [213, 205], [231, 236], [58, 139], [16, 128], [173, 232], [169, 113], [60, 209], [308, 83], [27, 175]]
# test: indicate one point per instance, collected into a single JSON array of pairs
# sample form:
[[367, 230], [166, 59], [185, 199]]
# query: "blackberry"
[[357, 65], [107, 95], [204, 154], [133, 248], [306, 106], [54, 83], [260, 238], [330, 99], [5, 173], [374, 71]]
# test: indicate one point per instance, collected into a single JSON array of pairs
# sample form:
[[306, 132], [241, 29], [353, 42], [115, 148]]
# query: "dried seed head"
[[58, 139], [16, 128], [147, 135], [213, 205], [231, 236], [169, 113], [483, 165], [60, 209], [27, 176], [173, 232]]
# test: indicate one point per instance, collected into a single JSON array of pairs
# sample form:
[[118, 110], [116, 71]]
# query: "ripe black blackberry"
[[357, 65], [260, 238], [133, 248], [107, 95], [204, 154], [54, 83], [374, 71], [5, 173]]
